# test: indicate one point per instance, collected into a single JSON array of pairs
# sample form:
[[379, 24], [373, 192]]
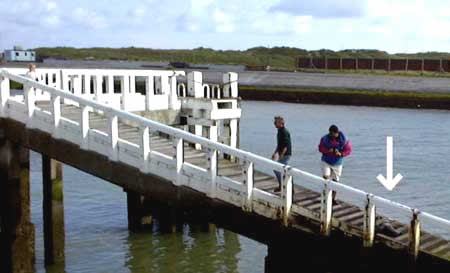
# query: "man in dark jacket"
[[283, 151]]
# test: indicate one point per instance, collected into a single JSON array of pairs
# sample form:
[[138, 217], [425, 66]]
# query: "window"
[[17, 54], [26, 54], [32, 54]]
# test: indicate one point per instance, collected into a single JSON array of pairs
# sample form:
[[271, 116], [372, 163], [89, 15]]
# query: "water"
[[97, 239]]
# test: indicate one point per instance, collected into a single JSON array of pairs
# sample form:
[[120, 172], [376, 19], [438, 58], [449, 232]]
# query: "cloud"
[[323, 8], [89, 18]]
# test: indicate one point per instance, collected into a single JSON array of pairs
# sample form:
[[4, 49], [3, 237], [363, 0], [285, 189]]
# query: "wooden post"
[[98, 87], [53, 209], [389, 64], [340, 64], [56, 112], [356, 63], [369, 222], [287, 196], [84, 124], [4, 94], [87, 84], [372, 64], [132, 84], [423, 65], [17, 231], [30, 103], [441, 69], [326, 63], [179, 157], [248, 186], [145, 148], [326, 210], [125, 88], [406, 64], [149, 91], [110, 86], [113, 132], [138, 219], [414, 236], [212, 159]]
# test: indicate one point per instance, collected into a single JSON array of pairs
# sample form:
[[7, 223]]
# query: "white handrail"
[[243, 155]]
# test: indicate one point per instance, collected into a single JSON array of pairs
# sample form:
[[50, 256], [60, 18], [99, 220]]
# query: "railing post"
[[113, 131], [212, 160], [326, 209], [248, 186], [369, 222], [179, 158], [84, 127], [4, 94], [287, 195], [132, 84], [149, 91], [30, 103], [110, 86], [56, 112], [98, 86], [414, 236], [125, 88], [87, 84], [145, 148], [230, 88]]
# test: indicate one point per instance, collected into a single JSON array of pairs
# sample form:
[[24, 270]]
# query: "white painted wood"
[[179, 158], [326, 210], [248, 186], [369, 222], [231, 191], [98, 86], [87, 84], [125, 88], [230, 81], [212, 159], [149, 91], [30, 103], [110, 85], [132, 84], [84, 127], [233, 132], [145, 147], [414, 235], [113, 132], [56, 112], [287, 197], [4, 94]]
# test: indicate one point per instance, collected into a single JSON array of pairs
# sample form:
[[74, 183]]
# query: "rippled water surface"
[[97, 239]]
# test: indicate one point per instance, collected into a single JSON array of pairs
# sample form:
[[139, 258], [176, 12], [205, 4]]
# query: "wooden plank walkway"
[[350, 217]]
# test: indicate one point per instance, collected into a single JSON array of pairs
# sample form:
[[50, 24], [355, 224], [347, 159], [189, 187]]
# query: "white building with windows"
[[18, 54]]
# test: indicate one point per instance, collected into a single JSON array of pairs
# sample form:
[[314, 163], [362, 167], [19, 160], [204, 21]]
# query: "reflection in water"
[[190, 250]]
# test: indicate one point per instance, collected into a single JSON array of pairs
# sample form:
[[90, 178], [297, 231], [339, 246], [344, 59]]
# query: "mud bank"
[[396, 99]]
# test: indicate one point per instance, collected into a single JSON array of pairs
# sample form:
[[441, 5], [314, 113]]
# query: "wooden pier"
[[233, 188]]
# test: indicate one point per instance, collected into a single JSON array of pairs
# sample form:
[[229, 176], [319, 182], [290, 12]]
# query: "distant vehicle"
[[179, 64]]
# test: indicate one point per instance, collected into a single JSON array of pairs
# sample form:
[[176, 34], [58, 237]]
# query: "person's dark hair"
[[279, 118], [333, 129]]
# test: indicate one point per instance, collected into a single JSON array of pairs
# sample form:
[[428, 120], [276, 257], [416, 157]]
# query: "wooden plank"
[[344, 212], [309, 201], [357, 215], [435, 242]]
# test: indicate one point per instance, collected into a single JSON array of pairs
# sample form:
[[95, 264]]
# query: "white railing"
[[178, 171]]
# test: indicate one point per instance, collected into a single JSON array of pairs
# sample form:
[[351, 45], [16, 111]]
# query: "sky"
[[390, 25]]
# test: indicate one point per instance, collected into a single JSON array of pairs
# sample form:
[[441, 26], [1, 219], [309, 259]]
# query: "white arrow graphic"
[[389, 182]]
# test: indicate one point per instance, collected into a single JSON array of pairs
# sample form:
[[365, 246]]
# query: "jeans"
[[283, 161]]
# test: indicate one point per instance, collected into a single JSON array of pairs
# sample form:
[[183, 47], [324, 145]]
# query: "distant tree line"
[[281, 58]]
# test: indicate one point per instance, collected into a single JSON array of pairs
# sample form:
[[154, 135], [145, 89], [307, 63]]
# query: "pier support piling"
[[53, 210], [138, 218], [17, 231]]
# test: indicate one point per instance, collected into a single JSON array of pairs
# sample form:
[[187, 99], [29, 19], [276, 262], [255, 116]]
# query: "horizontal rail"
[[259, 161]]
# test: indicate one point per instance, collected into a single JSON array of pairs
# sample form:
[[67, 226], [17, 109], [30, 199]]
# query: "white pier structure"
[[95, 110]]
